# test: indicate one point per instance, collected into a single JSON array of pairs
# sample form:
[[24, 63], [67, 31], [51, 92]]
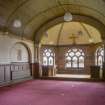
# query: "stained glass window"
[[48, 57], [74, 58], [99, 56]]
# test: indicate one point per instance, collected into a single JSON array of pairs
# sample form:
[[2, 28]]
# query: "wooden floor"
[[72, 76]]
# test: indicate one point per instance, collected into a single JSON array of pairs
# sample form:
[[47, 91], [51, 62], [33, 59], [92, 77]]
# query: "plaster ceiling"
[[71, 33], [34, 13]]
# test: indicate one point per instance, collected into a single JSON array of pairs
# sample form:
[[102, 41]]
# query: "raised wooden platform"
[[73, 76], [68, 77]]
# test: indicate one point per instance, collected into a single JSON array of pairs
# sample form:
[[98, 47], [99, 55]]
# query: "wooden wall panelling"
[[2, 76]]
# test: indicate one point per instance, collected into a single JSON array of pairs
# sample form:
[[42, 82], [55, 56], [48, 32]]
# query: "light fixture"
[[80, 32], [17, 23], [91, 40], [51, 42], [6, 32], [68, 16], [46, 34]]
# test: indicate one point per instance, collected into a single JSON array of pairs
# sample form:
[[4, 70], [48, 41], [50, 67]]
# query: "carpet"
[[51, 92]]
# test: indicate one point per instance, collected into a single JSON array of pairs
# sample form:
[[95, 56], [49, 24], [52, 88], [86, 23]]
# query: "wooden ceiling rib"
[[13, 12], [86, 30], [59, 33]]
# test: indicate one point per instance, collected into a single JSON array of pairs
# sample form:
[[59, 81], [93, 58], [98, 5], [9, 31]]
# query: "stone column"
[[37, 69], [104, 61], [39, 60], [104, 54]]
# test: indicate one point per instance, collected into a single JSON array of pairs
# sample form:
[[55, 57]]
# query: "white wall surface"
[[19, 53], [7, 43]]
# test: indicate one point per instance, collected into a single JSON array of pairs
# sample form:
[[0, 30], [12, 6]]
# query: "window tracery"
[[48, 57], [99, 56], [74, 58]]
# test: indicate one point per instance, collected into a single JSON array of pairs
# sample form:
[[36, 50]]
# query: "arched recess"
[[20, 56], [77, 18], [27, 49]]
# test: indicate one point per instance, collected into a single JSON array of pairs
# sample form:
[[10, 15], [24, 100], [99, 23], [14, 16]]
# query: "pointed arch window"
[[48, 57], [99, 56], [74, 58]]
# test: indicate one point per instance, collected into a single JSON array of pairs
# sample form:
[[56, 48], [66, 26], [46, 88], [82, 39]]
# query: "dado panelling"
[[14, 71]]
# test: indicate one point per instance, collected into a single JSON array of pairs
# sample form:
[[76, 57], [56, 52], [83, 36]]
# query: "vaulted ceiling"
[[67, 33], [35, 13]]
